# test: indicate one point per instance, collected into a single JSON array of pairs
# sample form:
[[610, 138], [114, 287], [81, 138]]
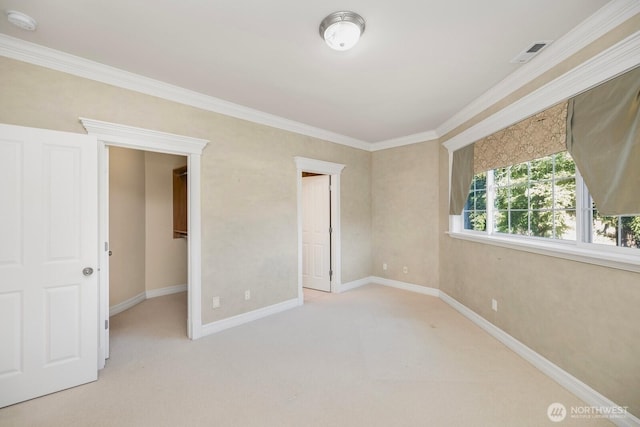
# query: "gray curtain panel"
[[603, 137], [461, 177]]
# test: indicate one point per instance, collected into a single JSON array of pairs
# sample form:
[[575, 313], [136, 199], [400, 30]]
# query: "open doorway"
[[116, 135], [148, 252], [316, 232], [316, 176]]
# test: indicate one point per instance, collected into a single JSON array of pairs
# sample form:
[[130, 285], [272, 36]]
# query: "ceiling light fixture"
[[342, 30], [21, 20]]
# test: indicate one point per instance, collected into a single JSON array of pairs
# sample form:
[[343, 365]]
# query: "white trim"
[[240, 319], [143, 296], [168, 290], [424, 290], [127, 304], [404, 140], [344, 287], [555, 249], [565, 379], [103, 257], [304, 164], [603, 21], [318, 166], [606, 19], [194, 262], [562, 377], [606, 65], [143, 139], [46, 57], [111, 134]]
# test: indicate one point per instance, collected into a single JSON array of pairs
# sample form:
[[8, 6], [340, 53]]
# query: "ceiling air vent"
[[530, 52]]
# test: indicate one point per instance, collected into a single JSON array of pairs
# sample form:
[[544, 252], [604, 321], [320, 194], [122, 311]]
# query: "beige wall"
[[405, 190], [249, 202], [126, 224], [145, 254], [248, 181], [582, 317], [165, 257]]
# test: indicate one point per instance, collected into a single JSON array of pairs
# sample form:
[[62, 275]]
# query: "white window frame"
[[617, 59], [579, 250]]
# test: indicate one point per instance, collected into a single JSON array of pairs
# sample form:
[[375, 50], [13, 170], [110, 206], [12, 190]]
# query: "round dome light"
[[21, 20], [342, 30]]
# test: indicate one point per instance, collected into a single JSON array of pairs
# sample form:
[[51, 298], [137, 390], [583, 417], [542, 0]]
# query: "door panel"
[[10, 200], [316, 239], [48, 308], [62, 204], [10, 335], [62, 324]]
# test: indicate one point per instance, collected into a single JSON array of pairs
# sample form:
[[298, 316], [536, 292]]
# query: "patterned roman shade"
[[537, 136]]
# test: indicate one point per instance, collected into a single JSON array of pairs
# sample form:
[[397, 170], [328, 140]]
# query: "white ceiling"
[[417, 64]]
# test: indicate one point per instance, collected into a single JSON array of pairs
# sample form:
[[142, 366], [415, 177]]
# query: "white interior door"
[[316, 238], [48, 224]]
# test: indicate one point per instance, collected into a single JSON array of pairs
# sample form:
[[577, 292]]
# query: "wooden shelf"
[[180, 226]]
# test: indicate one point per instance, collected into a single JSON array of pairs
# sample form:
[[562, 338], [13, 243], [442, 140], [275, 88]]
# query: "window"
[[538, 199], [623, 231], [475, 210]]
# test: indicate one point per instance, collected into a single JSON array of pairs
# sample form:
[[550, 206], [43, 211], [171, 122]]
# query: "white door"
[[316, 238], [48, 229]]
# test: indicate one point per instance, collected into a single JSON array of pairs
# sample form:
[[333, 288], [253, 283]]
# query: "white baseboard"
[[240, 319], [125, 305], [354, 284], [562, 377], [425, 290], [153, 293]]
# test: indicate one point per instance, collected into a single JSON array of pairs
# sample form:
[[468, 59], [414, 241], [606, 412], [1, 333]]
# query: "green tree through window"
[[538, 198]]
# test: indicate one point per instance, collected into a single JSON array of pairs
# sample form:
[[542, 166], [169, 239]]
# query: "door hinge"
[[330, 230], [330, 275], [106, 246], [106, 323]]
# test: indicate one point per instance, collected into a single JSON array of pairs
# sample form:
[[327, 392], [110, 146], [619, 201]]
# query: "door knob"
[[87, 271]]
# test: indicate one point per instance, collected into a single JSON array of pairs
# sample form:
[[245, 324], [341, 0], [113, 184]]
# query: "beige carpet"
[[373, 356]]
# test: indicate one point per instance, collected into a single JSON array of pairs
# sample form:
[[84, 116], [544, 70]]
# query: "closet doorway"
[[148, 251], [117, 135]]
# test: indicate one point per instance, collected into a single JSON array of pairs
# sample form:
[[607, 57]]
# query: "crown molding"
[[610, 63], [56, 60], [604, 20], [143, 139], [318, 166], [404, 140]]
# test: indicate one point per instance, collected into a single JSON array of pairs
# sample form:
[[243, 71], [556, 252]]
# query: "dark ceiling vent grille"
[[530, 52]]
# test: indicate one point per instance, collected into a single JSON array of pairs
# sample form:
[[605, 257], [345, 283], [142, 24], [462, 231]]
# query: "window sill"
[[563, 250]]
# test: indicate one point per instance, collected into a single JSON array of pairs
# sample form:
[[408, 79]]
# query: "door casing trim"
[[117, 135], [304, 164]]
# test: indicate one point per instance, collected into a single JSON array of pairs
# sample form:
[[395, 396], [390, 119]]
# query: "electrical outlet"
[[494, 305], [247, 295], [384, 266], [405, 269], [216, 302]]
